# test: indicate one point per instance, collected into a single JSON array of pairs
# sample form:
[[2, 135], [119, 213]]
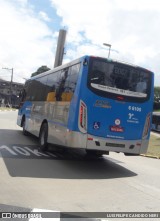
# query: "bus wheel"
[[43, 136], [23, 126]]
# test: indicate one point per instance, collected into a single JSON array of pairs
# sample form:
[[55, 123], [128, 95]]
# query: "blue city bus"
[[94, 103]]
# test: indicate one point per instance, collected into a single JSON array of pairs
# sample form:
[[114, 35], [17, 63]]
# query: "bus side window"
[[22, 95], [71, 81], [61, 85], [52, 84], [40, 93], [29, 90]]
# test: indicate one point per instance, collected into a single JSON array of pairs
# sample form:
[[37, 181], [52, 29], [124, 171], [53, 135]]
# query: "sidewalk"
[[155, 134], [2, 109], [154, 146]]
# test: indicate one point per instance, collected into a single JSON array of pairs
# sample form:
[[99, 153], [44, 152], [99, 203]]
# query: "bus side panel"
[[55, 114], [73, 110], [57, 122], [37, 116], [75, 134], [25, 111]]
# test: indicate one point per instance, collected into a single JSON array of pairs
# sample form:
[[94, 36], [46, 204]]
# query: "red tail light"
[[82, 117], [120, 98]]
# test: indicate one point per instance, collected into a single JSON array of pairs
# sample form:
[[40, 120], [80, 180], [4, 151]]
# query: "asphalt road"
[[67, 181]]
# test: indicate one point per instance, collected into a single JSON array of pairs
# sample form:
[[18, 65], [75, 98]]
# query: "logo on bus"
[[117, 122], [132, 119], [96, 125], [103, 104]]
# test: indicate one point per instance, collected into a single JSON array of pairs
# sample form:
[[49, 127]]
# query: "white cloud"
[[22, 2], [130, 26], [26, 42], [44, 16], [137, 5]]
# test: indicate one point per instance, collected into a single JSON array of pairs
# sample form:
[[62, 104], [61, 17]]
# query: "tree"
[[156, 98], [40, 70], [157, 91]]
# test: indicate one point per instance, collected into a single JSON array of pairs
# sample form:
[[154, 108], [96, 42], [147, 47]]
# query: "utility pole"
[[10, 69], [108, 45], [60, 48]]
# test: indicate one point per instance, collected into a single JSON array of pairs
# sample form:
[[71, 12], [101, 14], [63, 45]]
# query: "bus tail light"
[[121, 98], [90, 138], [82, 121], [146, 126]]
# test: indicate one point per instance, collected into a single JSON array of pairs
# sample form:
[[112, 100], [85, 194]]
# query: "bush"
[[156, 105]]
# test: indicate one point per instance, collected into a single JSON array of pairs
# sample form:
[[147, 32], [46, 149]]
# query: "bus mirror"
[[85, 62]]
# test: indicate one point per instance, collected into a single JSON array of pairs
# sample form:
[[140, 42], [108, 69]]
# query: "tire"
[[23, 126], [43, 137]]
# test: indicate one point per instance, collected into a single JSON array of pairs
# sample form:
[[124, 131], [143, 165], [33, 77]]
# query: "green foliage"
[[154, 147], [157, 98], [40, 70], [157, 91]]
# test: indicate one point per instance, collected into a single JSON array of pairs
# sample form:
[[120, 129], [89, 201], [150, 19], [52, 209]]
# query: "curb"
[[7, 110], [150, 156]]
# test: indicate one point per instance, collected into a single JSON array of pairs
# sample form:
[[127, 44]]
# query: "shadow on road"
[[23, 159], [66, 169], [8, 137]]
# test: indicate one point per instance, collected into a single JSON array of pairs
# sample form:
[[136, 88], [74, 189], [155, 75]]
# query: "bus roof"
[[79, 60], [58, 68]]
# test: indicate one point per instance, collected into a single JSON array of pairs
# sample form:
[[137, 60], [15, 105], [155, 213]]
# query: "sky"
[[29, 31]]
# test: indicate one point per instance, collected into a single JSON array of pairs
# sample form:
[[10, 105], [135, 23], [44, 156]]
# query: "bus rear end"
[[115, 106]]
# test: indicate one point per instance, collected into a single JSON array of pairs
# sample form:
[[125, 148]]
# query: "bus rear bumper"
[[75, 139], [134, 147]]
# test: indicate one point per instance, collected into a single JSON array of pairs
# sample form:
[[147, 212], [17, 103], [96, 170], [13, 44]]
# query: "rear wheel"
[[43, 137]]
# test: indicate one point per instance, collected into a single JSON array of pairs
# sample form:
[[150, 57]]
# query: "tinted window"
[[71, 80], [40, 88], [61, 85], [57, 86], [52, 85], [29, 90], [112, 79], [36, 89], [24, 93]]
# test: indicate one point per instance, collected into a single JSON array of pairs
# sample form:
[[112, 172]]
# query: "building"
[[9, 94]]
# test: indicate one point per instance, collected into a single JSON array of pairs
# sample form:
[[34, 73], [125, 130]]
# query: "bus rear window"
[[113, 79]]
